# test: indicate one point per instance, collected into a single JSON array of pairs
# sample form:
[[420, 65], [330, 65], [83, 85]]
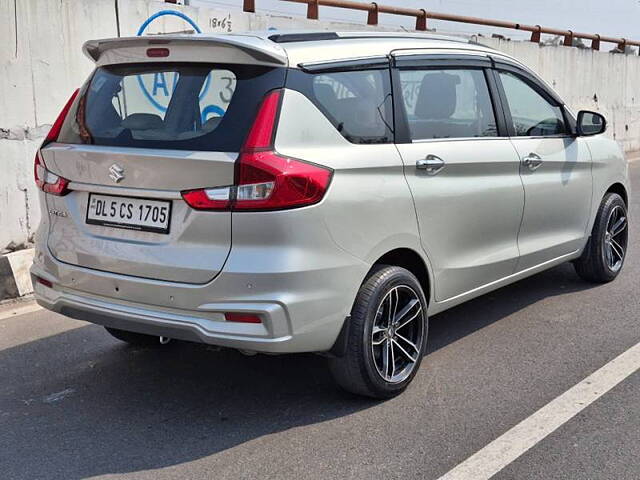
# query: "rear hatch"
[[157, 122]]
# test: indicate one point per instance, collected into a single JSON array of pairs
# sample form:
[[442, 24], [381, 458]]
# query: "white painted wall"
[[41, 64], [615, 18]]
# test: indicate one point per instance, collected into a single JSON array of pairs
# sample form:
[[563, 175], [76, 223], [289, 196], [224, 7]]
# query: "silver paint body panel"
[[469, 213]]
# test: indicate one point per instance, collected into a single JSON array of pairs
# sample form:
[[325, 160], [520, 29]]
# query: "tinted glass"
[[450, 103], [358, 103], [532, 114], [176, 106]]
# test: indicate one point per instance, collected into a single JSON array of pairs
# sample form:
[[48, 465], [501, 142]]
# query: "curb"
[[15, 280]]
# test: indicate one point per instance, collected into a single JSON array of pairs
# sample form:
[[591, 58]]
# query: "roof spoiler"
[[238, 48]]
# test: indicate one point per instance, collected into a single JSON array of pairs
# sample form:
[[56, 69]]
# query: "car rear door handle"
[[532, 161], [431, 164]]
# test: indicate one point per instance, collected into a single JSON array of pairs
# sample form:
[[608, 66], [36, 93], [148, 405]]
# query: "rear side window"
[[172, 106], [531, 113], [449, 103], [357, 103]]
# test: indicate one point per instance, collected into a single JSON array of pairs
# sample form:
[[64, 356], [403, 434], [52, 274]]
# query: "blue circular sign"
[[207, 82]]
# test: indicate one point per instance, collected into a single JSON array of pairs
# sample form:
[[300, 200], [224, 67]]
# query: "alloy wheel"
[[615, 238], [397, 334]]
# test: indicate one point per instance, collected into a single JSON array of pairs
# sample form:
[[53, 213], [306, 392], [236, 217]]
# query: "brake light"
[[268, 181], [208, 198], [265, 180], [53, 134], [157, 52], [46, 181], [264, 126]]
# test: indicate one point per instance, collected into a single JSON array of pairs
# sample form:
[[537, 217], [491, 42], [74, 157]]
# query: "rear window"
[[357, 103], [173, 106]]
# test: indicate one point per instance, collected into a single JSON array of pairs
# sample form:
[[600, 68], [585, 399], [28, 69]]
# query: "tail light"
[[265, 180], [49, 182], [52, 136], [45, 180]]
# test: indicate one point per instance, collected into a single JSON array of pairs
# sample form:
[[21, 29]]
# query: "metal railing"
[[421, 16]]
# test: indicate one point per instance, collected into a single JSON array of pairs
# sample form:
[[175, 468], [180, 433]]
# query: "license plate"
[[130, 213]]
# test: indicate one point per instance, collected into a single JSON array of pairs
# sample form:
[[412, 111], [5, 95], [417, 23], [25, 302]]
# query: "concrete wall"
[[41, 64]]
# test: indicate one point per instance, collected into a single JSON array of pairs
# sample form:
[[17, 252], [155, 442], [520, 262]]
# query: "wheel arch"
[[620, 190], [411, 260], [404, 257]]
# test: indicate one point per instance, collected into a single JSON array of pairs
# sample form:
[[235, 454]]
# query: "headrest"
[[142, 121], [437, 97], [361, 117], [325, 94]]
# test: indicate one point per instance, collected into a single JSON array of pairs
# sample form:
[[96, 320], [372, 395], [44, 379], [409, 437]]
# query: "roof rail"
[[302, 37], [331, 35]]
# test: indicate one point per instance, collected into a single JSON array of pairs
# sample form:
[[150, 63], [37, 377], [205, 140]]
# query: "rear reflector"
[[242, 318], [157, 52], [43, 281], [266, 180]]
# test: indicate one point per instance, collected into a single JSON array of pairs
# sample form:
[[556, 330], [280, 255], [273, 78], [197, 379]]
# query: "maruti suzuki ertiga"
[[315, 192]]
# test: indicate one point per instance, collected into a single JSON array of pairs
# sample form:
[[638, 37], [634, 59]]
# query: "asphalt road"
[[75, 403]]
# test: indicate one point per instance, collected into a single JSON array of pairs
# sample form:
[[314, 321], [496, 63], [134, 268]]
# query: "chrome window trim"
[[459, 139]]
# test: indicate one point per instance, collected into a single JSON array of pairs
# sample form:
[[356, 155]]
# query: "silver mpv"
[[315, 192]]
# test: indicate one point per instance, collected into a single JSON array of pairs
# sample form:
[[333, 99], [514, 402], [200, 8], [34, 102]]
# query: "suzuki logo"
[[116, 172]]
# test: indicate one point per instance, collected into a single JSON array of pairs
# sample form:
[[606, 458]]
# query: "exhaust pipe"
[[247, 353], [164, 340]]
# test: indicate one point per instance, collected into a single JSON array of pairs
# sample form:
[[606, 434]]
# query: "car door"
[[555, 169], [461, 168]]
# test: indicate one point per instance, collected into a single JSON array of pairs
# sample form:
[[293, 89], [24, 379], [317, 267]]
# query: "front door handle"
[[431, 164], [533, 161]]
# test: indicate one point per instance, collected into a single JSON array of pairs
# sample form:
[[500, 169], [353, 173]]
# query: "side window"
[[358, 103], [531, 113], [449, 103]]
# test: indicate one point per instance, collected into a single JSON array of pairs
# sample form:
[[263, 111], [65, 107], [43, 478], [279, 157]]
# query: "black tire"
[[359, 369], [134, 338], [595, 264]]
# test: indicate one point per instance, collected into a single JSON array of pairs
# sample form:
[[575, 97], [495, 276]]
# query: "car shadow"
[[458, 322], [80, 404]]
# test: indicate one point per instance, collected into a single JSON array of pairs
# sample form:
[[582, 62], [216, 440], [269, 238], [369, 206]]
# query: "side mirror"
[[590, 123]]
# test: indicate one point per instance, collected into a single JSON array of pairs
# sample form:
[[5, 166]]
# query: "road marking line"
[[489, 460], [56, 397], [20, 310]]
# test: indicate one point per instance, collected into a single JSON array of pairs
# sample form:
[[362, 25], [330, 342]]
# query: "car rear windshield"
[[171, 106]]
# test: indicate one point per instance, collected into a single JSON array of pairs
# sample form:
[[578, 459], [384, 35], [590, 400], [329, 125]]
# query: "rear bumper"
[[272, 335], [301, 311]]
